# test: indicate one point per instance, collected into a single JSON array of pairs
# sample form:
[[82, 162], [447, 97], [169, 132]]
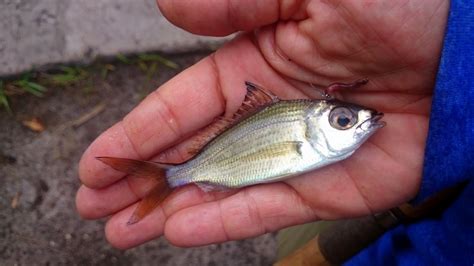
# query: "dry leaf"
[[34, 124], [15, 200]]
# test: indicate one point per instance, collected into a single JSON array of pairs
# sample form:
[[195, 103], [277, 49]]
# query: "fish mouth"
[[373, 122]]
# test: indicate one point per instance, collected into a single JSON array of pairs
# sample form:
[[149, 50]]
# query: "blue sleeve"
[[449, 154], [447, 240], [450, 145]]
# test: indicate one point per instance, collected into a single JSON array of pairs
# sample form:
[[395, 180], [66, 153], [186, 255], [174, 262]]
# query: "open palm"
[[288, 45]]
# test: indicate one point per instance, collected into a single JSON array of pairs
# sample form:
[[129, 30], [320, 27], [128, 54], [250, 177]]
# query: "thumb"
[[223, 17]]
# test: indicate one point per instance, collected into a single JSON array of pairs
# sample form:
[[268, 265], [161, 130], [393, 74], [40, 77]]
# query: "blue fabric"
[[449, 239], [450, 146]]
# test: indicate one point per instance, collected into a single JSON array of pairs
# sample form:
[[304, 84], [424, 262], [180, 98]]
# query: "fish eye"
[[342, 118]]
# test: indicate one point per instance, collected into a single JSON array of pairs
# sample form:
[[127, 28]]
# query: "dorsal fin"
[[208, 133], [255, 99]]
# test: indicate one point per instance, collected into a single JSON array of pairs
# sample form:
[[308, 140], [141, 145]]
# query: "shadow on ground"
[[38, 180]]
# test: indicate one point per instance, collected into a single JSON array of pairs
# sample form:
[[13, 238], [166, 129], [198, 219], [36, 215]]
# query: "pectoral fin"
[[275, 150]]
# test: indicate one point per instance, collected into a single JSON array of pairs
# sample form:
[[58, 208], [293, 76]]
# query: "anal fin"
[[207, 187]]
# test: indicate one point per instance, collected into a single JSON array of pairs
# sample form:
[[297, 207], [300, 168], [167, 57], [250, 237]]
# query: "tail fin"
[[146, 169]]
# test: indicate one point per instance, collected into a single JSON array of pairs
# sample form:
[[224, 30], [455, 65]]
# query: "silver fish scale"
[[262, 148]]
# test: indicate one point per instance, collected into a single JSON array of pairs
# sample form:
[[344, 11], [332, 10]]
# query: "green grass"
[[122, 58], [105, 69], [27, 84], [142, 60], [4, 98], [37, 83], [69, 75], [158, 58]]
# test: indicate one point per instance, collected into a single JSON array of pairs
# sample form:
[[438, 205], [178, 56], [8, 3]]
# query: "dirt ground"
[[38, 179]]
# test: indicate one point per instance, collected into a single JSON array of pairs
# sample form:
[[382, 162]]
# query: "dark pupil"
[[343, 121]]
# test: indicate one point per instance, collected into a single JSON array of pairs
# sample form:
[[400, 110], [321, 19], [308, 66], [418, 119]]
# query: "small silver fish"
[[267, 140]]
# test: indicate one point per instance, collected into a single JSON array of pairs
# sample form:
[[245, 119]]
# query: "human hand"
[[395, 44]]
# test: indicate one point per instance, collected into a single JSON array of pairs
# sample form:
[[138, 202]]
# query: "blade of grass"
[[27, 85], [122, 58], [105, 69], [143, 67], [158, 58], [36, 86], [152, 69], [104, 72], [63, 79], [82, 72], [31, 87], [31, 90], [69, 76], [4, 99], [68, 70]]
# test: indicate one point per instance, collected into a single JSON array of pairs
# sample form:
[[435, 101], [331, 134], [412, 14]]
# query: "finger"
[[225, 17], [99, 203], [198, 218], [162, 118], [391, 102], [251, 212], [266, 208], [194, 220], [327, 193], [276, 200], [124, 236]]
